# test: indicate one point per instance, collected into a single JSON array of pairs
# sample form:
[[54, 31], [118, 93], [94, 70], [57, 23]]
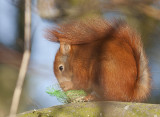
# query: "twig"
[[25, 60]]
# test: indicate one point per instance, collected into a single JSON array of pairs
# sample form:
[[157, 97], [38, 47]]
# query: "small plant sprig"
[[68, 96]]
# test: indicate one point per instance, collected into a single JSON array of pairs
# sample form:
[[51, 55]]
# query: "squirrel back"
[[107, 60]]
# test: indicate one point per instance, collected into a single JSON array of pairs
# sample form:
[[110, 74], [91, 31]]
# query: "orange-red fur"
[[106, 60]]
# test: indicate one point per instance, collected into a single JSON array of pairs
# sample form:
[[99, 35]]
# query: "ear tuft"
[[51, 34]]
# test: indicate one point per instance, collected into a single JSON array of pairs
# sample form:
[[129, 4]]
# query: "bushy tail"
[[143, 82]]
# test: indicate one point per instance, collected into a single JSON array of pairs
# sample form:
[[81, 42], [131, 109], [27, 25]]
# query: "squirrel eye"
[[61, 68]]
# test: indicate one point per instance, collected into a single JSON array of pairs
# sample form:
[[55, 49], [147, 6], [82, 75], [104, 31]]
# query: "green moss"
[[138, 113], [154, 111]]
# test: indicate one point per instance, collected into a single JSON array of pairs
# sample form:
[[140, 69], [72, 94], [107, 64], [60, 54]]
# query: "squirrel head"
[[62, 69], [72, 66]]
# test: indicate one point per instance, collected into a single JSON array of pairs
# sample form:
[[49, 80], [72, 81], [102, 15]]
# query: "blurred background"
[[144, 16]]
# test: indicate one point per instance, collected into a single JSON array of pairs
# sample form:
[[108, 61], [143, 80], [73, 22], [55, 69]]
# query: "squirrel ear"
[[65, 48]]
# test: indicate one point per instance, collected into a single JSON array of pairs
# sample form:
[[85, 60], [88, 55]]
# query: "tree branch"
[[25, 60]]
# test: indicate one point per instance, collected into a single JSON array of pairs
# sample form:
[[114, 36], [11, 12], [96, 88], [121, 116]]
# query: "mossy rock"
[[97, 109]]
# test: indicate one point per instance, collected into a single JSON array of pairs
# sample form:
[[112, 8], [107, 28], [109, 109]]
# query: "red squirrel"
[[107, 60]]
